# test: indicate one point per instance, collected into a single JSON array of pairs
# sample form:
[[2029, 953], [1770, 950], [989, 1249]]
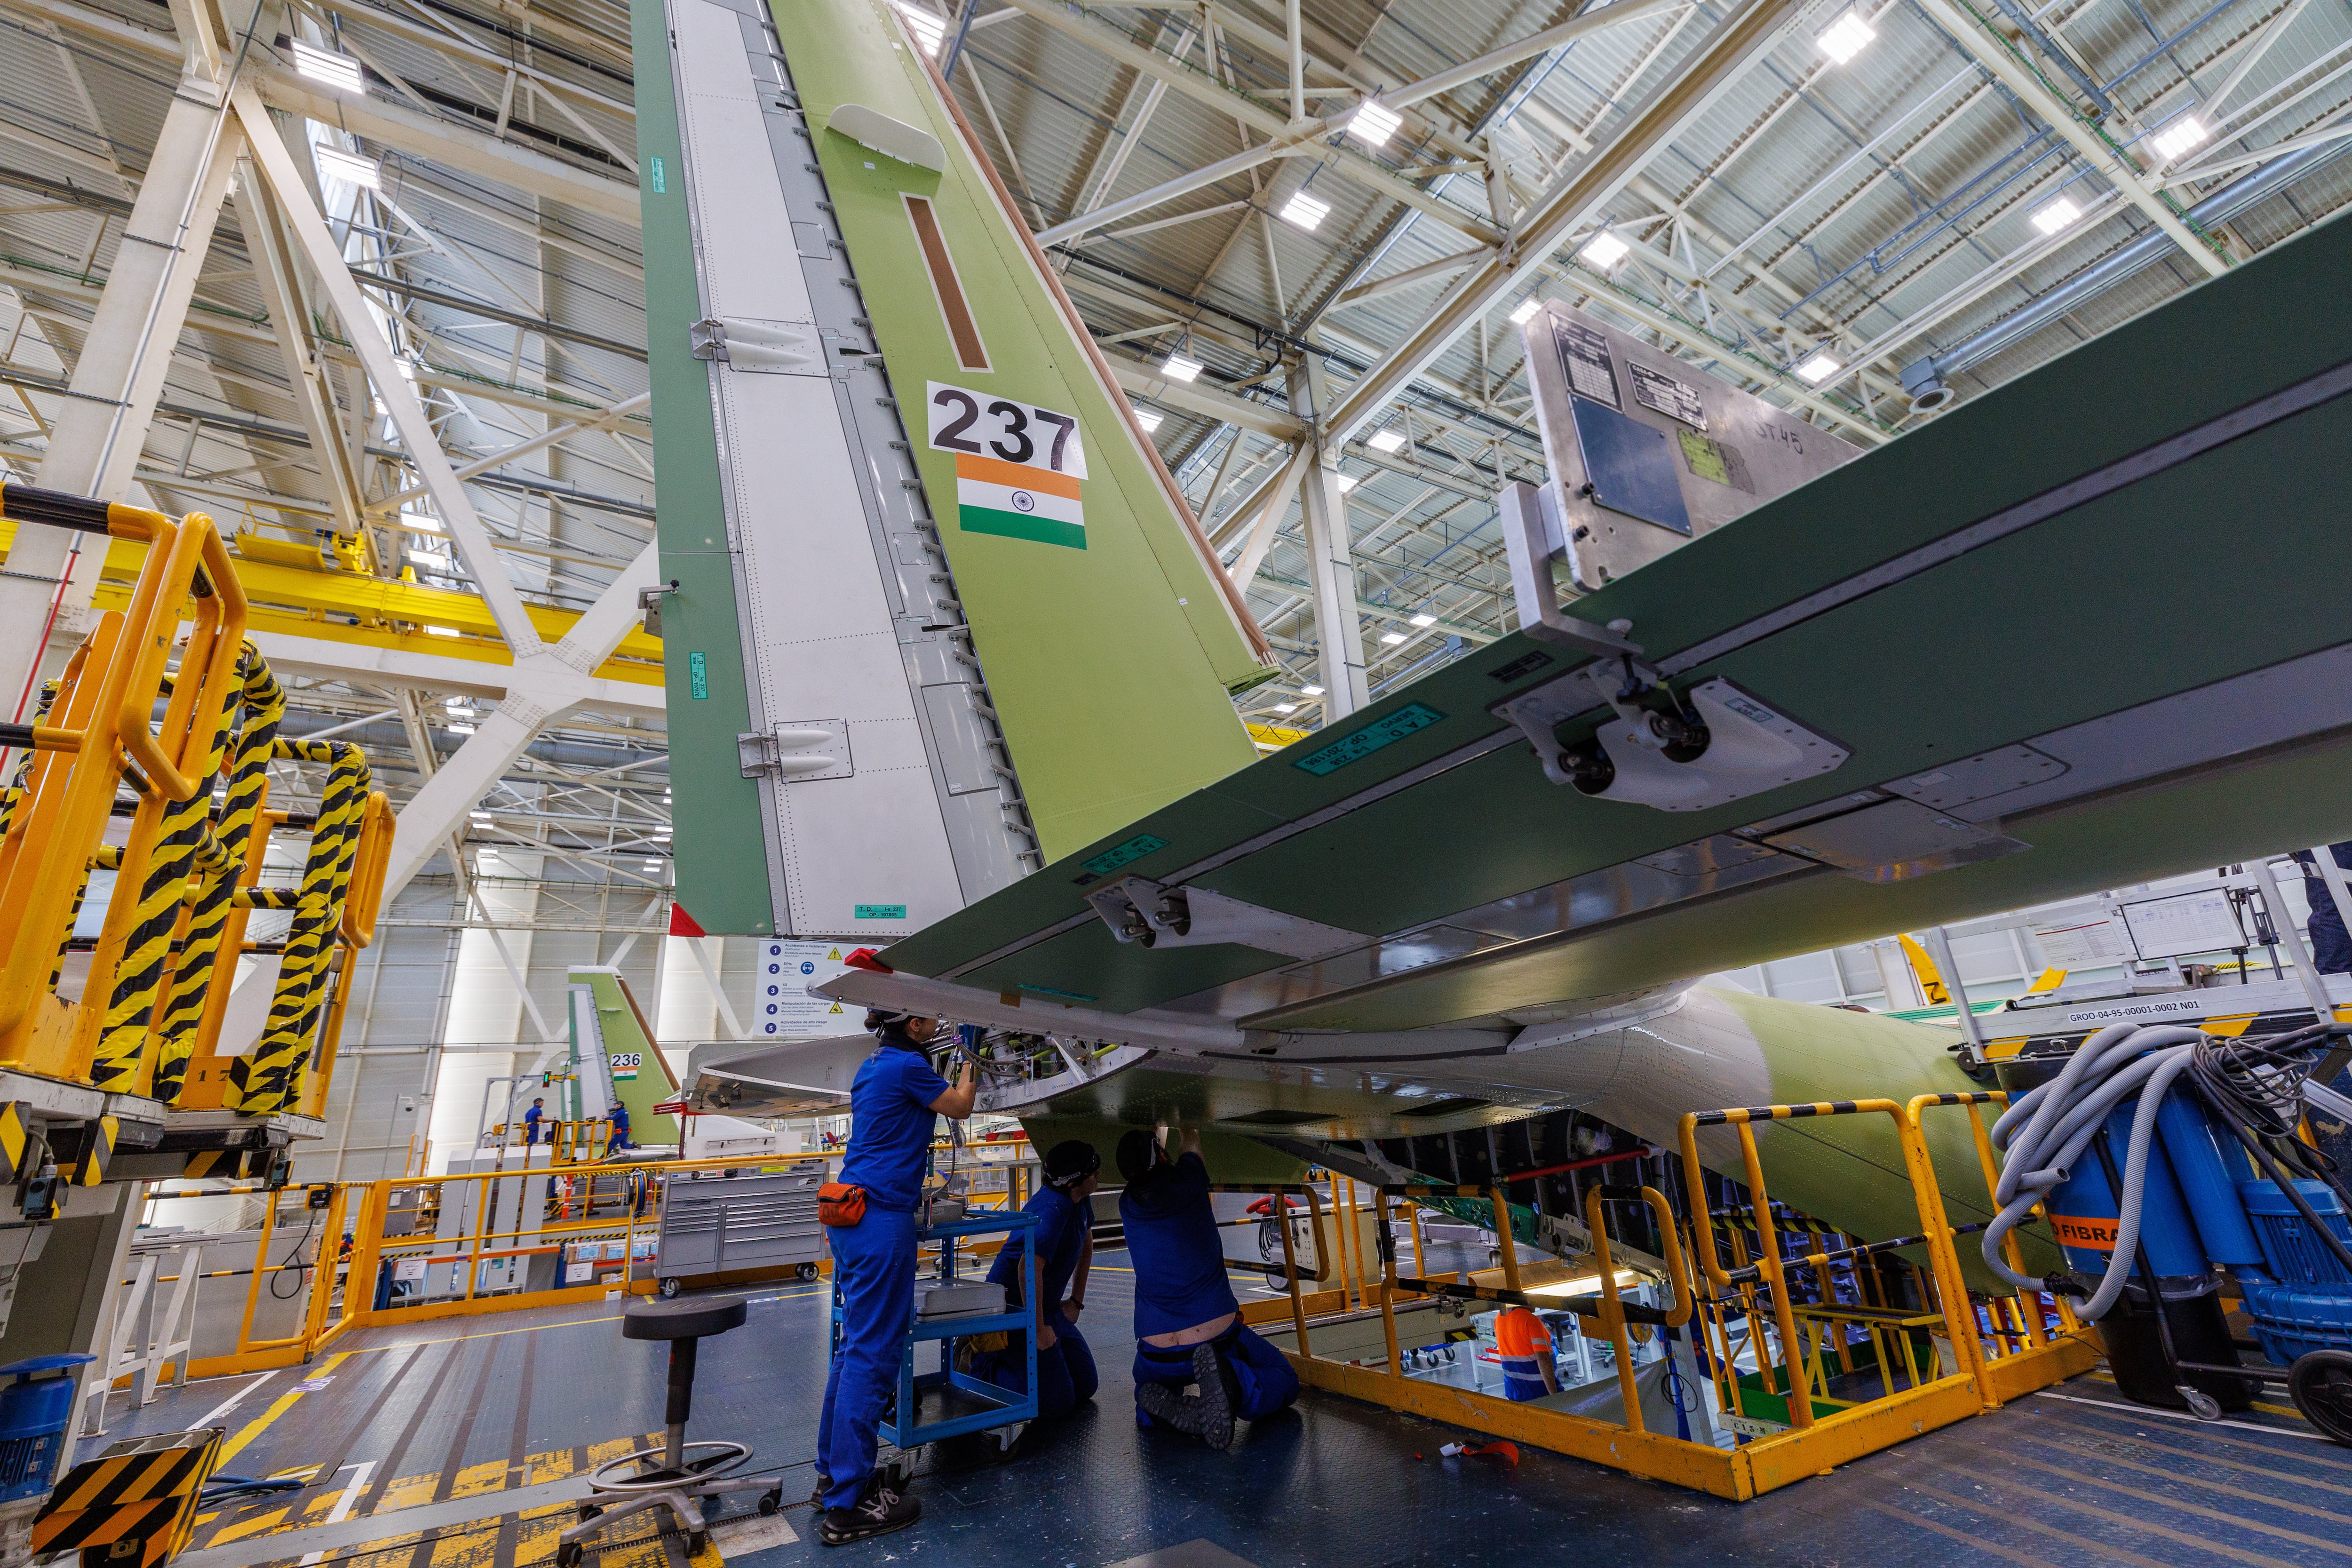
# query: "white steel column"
[[308, 228], [1331, 560], [94, 445]]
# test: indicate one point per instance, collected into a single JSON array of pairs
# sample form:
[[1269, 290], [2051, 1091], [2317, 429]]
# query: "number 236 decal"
[[985, 426]]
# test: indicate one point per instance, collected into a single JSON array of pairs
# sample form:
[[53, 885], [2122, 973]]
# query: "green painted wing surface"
[[2231, 561], [1110, 665]]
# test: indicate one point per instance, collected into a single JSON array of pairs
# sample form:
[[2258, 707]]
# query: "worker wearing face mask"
[[1064, 1239]]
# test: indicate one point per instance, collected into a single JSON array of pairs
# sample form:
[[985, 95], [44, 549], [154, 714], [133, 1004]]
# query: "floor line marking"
[[343, 1508], [231, 1403], [277, 1407], [2136, 1410], [2287, 1410], [2036, 1525]]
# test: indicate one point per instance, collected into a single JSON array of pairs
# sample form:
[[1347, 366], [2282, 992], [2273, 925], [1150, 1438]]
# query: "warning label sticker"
[[2076, 1230]]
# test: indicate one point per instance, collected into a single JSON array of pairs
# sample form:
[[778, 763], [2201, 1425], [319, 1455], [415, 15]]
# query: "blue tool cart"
[[902, 1426]]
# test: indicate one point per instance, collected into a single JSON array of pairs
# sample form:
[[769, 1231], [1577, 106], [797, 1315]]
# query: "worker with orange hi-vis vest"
[[1523, 1344]]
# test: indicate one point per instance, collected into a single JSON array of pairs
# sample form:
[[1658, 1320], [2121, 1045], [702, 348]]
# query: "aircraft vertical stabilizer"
[[614, 1053], [941, 613]]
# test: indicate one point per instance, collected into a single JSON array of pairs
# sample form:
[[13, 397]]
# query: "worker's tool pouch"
[[839, 1203]]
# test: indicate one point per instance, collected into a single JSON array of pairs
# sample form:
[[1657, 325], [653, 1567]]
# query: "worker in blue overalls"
[[2331, 945], [1064, 1209], [620, 1118], [892, 1103], [531, 1121], [1188, 1327]]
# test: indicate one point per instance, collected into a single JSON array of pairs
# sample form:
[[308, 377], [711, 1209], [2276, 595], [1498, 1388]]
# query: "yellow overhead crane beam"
[[375, 612]]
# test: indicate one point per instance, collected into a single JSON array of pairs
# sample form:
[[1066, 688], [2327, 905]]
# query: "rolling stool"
[[678, 1472]]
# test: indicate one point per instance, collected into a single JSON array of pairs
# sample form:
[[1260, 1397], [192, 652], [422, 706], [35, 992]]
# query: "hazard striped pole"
[[200, 968], [271, 1077], [140, 977]]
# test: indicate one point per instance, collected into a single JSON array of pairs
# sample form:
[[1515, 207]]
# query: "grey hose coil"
[[2045, 1131]]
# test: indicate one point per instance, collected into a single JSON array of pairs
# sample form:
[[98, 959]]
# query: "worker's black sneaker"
[[1216, 1399], [879, 1513], [816, 1498]]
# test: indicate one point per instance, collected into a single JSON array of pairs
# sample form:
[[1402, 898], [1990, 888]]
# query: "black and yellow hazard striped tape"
[[141, 1492]]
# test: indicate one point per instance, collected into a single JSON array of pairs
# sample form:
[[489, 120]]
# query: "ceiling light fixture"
[[1391, 639], [1422, 619], [2058, 215], [1176, 367], [2179, 137], [928, 28], [339, 71], [1845, 38], [480, 816], [1603, 251], [1305, 211], [1386, 441], [457, 729], [1525, 311], [1286, 707], [334, 163], [1347, 483], [1818, 366], [1310, 691], [1148, 418], [1374, 123]]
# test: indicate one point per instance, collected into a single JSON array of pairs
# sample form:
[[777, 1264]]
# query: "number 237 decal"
[[983, 424]]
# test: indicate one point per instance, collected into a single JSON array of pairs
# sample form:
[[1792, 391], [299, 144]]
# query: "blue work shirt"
[[890, 1123], [1171, 1239], [620, 1123], [530, 1125], [1061, 1234]]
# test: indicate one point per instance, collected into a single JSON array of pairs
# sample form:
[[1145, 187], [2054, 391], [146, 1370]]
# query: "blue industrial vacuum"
[[2169, 1163]]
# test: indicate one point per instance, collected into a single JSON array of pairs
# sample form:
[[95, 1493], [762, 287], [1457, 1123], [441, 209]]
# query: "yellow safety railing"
[[323, 1302], [616, 1201], [2013, 1345]]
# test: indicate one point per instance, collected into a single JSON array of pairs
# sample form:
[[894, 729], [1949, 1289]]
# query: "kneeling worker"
[[1188, 1327], [869, 1216], [1064, 1241]]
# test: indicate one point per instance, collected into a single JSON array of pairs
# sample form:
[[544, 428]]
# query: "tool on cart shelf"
[[947, 1311], [2165, 1156]]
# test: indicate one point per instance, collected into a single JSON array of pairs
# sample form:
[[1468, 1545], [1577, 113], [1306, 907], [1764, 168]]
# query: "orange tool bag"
[[839, 1203]]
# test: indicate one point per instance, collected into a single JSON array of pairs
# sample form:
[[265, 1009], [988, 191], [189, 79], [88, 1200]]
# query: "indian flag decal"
[[1018, 502]]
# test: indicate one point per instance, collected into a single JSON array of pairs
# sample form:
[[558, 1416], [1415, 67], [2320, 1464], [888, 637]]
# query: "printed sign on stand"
[[782, 1002]]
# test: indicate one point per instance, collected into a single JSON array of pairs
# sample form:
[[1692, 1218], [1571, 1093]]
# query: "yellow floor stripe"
[[284, 1403]]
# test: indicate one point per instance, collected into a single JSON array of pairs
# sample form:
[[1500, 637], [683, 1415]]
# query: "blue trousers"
[[2331, 948], [1262, 1372], [874, 1277], [1066, 1377]]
